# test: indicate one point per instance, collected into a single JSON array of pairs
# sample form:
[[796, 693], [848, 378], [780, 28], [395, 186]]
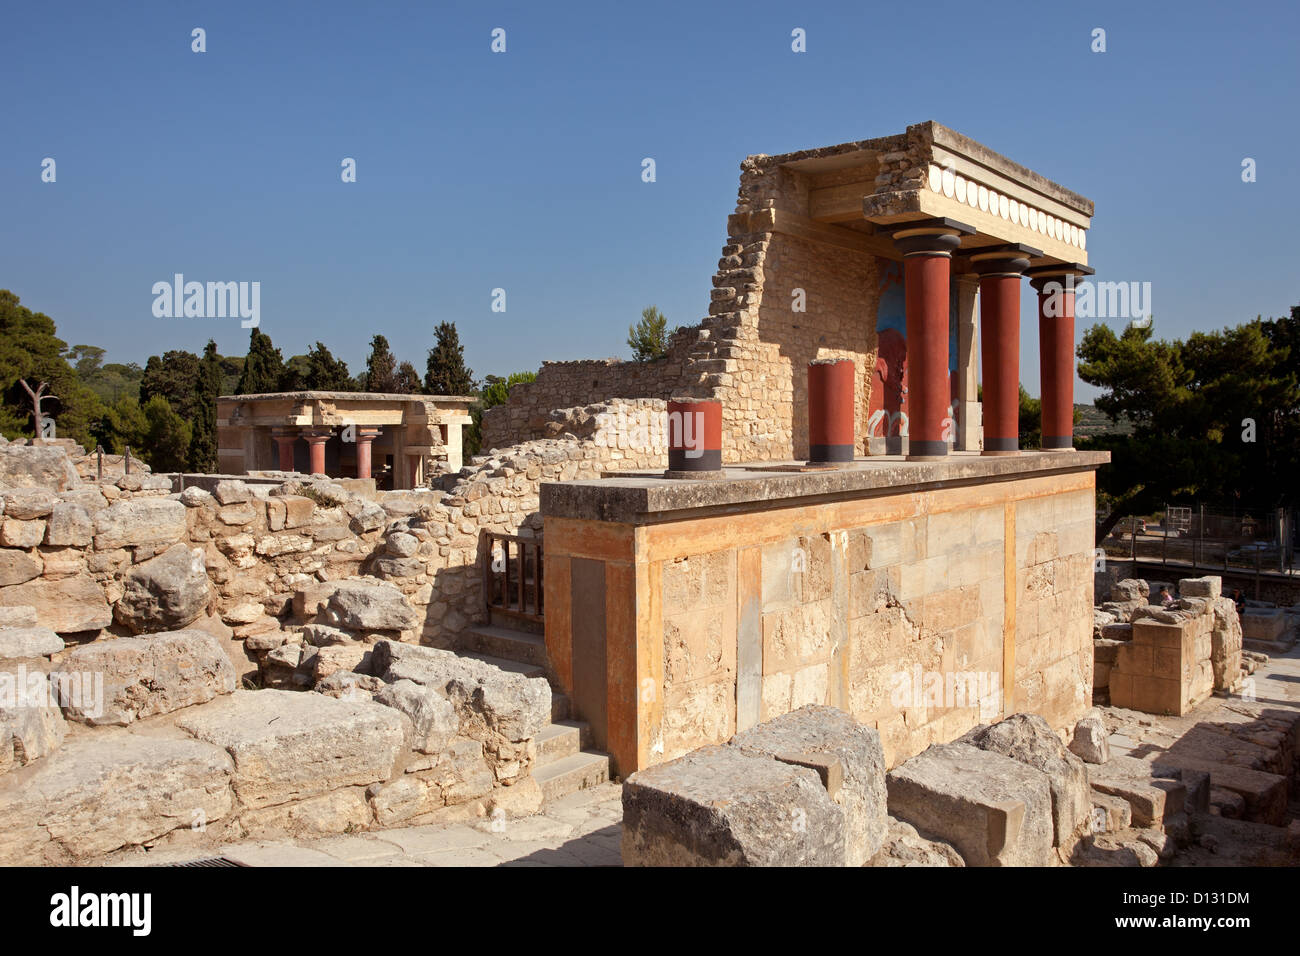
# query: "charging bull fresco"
[[887, 408]]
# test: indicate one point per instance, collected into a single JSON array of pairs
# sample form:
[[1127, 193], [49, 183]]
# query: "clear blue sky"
[[522, 170]]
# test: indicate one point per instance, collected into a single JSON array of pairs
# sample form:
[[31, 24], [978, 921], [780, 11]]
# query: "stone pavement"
[[582, 829]]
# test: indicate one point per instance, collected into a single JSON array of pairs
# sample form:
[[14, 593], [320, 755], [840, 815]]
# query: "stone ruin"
[[169, 657]]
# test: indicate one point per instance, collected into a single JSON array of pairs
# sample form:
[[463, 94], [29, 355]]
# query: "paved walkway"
[[582, 829]]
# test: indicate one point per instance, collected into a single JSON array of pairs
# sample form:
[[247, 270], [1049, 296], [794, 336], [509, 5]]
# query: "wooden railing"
[[512, 576]]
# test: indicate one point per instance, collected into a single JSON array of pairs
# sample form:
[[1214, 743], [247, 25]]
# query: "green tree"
[[325, 373], [263, 366], [408, 380], [381, 367], [495, 391], [1214, 417], [202, 453], [445, 372], [166, 438], [30, 349], [648, 338], [172, 376]]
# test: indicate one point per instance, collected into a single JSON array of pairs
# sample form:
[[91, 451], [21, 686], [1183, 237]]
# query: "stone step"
[[561, 709], [571, 774], [561, 739], [514, 667], [507, 643]]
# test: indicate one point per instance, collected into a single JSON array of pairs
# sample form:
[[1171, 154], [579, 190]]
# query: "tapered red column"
[[284, 440], [365, 436], [316, 439], [927, 260], [1000, 271], [1055, 287]]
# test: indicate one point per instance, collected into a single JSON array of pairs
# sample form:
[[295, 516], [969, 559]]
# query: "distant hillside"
[[1092, 423]]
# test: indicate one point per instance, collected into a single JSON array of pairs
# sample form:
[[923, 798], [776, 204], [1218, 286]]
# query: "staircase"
[[565, 764]]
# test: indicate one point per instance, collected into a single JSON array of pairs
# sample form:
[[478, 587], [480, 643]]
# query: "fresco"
[[887, 409]]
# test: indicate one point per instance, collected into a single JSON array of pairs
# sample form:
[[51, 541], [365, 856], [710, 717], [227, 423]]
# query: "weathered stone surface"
[[432, 715], [1028, 739], [193, 497], [22, 615], [33, 466], [1151, 795], [66, 605], [719, 806], [31, 727], [363, 606], [17, 567], [164, 593], [1130, 590], [1210, 586], [109, 790], [150, 522], [28, 503], [487, 699], [322, 634], [349, 685], [16, 533], [339, 657], [1225, 644], [69, 525], [144, 676], [995, 810], [1090, 741], [812, 737], [19, 642], [903, 846], [290, 746], [245, 613], [231, 491]]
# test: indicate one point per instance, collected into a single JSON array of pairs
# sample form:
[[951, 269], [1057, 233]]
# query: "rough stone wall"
[[71, 547], [901, 623]]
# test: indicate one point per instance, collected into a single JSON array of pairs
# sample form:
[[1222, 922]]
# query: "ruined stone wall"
[[234, 559]]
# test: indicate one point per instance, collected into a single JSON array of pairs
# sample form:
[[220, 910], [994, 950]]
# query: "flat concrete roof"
[[348, 397], [648, 497]]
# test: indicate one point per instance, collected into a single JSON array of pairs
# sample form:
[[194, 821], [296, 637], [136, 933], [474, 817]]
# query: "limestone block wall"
[[1165, 668], [921, 614]]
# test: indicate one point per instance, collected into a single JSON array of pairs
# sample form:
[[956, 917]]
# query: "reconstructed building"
[[393, 437], [941, 579]]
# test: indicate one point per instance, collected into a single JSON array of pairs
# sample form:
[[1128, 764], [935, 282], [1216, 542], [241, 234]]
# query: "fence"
[[512, 577], [1258, 542]]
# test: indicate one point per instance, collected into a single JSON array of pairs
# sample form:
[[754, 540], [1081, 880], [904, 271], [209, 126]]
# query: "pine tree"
[[325, 373], [446, 373], [381, 367], [649, 337], [202, 454], [408, 380], [263, 366]]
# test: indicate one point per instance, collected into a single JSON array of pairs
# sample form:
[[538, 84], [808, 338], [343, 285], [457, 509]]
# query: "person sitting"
[[1166, 598], [1239, 599]]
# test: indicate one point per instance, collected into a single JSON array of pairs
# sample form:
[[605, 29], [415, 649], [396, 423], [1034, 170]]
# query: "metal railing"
[[512, 576]]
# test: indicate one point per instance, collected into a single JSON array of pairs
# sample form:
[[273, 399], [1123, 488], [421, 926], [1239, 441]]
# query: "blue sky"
[[522, 170]]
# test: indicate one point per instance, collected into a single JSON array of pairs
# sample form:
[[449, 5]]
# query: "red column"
[[364, 437], [317, 439], [1055, 288], [694, 436], [1000, 272], [830, 410], [284, 439], [927, 259]]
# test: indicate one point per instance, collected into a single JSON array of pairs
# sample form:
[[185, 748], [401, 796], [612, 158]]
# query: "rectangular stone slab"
[[996, 811], [292, 746]]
